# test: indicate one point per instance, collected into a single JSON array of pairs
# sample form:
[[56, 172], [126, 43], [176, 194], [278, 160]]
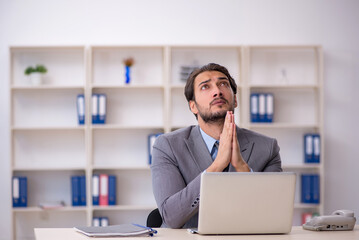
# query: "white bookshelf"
[[48, 146], [293, 74]]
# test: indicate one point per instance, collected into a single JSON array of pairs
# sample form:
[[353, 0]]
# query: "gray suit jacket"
[[179, 158]]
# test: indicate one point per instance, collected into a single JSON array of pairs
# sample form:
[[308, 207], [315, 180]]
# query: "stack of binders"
[[311, 148], [310, 188], [99, 108], [262, 107], [78, 189], [19, 191], [103, 190], [100, 221], [151, 140]]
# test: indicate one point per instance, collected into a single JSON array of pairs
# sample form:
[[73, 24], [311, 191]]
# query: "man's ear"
[[235, 101], [193, 107]]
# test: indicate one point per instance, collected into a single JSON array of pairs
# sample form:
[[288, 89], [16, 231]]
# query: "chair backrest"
[[154, 219]]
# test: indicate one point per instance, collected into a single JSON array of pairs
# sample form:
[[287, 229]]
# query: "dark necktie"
[[214, 154]]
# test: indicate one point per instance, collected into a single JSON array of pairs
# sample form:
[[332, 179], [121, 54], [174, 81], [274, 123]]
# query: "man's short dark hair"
[[189, 88]]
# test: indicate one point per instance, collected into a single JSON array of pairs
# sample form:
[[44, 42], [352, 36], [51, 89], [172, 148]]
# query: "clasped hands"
[[229, 150]]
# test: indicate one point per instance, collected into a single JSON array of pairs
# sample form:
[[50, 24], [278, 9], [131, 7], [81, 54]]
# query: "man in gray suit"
[[216, 144]]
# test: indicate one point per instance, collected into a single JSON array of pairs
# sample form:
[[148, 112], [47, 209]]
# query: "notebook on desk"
[[246, 203]]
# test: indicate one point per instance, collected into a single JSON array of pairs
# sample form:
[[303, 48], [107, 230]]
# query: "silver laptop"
[[246, 203]]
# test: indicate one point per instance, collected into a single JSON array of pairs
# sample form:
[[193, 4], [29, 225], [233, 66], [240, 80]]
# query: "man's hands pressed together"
[[229, 150]]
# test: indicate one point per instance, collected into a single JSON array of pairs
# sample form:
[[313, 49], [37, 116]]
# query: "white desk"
[[178, 234]]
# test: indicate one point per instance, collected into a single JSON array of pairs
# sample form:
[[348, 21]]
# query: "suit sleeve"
[[274, 164], [176, 200]]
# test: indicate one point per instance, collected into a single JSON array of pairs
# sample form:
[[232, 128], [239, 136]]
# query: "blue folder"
[[111, 190], [102, 108], [262, 107], [82, 180], [151, 140], [306, 196], [95, 190], [254, 106], [269, 111], [308, 148], [19, 191], [315, 184], [94, 108], [75, 190], [81, 109], [316, 148], [310, 188]]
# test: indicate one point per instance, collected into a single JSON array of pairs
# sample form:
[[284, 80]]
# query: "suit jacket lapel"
[[245, 145], [198, 149]]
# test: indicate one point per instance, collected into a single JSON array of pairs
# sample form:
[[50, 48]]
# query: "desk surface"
[[297, 233]]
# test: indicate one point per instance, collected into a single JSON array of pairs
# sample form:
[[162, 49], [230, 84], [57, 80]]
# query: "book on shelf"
[[78, 190], [310, 188], [19, 191], [81, 109], [99, 108], [312, 148], [104, 190], [261, 107], [151, 141]]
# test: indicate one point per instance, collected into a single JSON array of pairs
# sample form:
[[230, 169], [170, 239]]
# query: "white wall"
[[331, 23]]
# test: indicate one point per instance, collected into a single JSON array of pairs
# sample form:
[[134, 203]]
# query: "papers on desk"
[[122, 230]]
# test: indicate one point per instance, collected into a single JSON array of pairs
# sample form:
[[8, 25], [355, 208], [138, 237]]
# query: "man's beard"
[[215, 117]]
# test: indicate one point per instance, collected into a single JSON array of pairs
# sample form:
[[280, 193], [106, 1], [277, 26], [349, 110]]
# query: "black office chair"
[[154, 219]]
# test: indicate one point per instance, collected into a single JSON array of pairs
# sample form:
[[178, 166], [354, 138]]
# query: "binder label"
[[15, 188], [309, 144]]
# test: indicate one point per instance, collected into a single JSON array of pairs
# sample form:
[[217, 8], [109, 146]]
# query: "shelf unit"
[[294, 75], [48, 146]]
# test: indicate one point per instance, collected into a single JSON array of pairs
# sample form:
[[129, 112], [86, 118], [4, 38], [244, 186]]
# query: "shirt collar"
[[208, 140]]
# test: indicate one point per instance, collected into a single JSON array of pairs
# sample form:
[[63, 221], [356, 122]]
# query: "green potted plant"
[[35, 73]]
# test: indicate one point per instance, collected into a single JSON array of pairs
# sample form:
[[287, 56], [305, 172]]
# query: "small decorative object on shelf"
[[186, 70], [128, 64], [36, 73], [284, 79], [52, 205]]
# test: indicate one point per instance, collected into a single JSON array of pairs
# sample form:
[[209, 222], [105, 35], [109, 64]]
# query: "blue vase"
[[128, 78]]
